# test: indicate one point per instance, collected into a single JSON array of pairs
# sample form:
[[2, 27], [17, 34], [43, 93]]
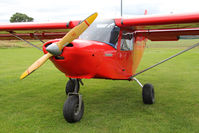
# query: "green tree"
[[20, 17]]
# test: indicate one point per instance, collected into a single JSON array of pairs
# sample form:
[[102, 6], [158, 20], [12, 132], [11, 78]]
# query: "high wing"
[[155, 28], [36, 30], [162, 28]]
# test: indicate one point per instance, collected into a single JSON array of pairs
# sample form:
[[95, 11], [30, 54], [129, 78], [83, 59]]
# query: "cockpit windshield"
[[102, 31]]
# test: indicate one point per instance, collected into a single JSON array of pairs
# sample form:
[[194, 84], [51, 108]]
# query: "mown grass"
[[35, 104], [18, 44]]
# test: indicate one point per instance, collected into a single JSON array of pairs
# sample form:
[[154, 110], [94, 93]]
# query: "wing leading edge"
[[36, 30]]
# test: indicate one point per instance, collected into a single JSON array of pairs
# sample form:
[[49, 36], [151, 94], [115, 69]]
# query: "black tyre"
[[70, 86], [148, 94], [71, 110]]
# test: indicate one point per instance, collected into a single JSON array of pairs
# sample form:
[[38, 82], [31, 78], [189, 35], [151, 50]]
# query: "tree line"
[[20, 17]]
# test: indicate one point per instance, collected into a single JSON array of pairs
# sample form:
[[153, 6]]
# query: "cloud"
[[65, 10]]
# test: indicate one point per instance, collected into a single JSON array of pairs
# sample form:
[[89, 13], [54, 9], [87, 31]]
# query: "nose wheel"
[[73, 108]]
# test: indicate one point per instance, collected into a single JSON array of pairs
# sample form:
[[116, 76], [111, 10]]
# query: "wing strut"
[[189, 48], [36, 37], [25, 41]]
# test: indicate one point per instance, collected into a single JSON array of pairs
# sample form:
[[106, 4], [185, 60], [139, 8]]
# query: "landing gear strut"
[[148, 94], [71, 85], [73, 108]]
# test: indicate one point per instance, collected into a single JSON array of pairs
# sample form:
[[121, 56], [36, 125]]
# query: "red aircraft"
[[108, 49]]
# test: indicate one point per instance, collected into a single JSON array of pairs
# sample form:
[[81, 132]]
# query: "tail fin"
[[145, 12]]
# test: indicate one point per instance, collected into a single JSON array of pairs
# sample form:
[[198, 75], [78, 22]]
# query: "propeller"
[[69, 37]]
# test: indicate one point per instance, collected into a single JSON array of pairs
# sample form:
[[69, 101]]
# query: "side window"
[[127, 41]]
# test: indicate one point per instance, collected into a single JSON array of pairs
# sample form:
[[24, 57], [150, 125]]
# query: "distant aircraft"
[[108, 49]]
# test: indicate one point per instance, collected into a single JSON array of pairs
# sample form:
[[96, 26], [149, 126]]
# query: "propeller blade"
[[76, 31], [36, 65], [69, 37]]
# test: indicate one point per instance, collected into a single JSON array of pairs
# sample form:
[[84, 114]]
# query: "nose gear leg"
[[73, 108]]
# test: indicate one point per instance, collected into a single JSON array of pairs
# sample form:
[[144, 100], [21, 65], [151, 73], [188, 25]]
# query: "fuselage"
[[116, 57]]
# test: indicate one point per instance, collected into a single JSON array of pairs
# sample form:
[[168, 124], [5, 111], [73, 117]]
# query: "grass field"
[[34, 105]]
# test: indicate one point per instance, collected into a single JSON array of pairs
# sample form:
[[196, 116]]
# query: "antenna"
[[121, 8]]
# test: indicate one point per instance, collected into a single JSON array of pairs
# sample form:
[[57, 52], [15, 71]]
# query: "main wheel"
[[71, 110], [70, 86], [148, 94]]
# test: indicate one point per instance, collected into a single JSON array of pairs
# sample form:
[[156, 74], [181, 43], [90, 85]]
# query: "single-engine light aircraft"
[[102, 49]]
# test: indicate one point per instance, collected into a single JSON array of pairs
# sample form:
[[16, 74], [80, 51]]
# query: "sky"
[[66, 10]]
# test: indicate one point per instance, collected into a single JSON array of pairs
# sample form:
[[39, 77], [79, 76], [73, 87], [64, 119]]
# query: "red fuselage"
[[93, 59]]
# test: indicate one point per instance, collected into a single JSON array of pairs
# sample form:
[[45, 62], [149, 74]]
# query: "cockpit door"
[[125, 51]]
